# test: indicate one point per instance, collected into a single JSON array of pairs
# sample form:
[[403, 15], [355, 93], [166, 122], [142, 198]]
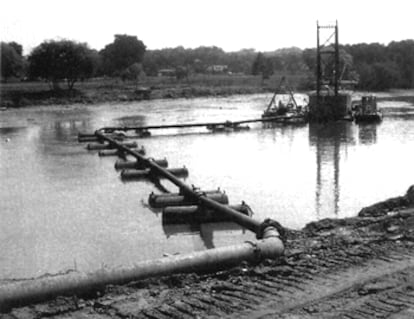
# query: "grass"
[[19, 94]]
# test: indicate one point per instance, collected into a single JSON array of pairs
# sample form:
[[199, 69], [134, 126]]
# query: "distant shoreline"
[[94, 91], [28, 94]]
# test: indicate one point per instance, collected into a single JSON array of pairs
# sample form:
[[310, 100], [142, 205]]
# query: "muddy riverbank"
[[16, 95], [360, 267]]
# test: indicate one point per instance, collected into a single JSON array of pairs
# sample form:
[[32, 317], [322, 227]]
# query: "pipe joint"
[[267, 248], [271, 228], [256, 250]]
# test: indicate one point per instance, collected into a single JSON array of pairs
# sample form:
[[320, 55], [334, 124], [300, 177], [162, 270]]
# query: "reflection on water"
[[367, 133], [205, 231], [328, 140], [63, 207]]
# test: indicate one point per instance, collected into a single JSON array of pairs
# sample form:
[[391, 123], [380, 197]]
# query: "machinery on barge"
[[283, 107], [366, 110]]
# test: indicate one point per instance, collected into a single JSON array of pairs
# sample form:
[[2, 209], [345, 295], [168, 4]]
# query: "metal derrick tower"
[[324, 53]]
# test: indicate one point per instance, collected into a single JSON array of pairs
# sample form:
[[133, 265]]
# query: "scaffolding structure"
[[324, 53]]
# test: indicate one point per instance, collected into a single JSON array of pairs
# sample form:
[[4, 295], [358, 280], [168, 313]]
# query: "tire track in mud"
[[355, 271], [308, 289], [357, 292]]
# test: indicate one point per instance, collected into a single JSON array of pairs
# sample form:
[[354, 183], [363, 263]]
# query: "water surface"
[[62, 207]]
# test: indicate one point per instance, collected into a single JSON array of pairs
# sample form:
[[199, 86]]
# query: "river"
[[64, 208]]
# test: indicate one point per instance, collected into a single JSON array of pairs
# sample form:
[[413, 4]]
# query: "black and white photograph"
[[206, 159]]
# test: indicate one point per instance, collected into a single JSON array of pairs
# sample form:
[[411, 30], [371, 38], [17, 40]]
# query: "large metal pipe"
[[110, 146], [197, 214], [237, 217], [137, 174], [181, 200], [210, 191], [122, 164], [233, 124], [88, 139], [26, 292], [115, 152], [93, 138]]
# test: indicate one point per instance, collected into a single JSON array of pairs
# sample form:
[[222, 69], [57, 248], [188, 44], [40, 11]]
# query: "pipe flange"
[[268, 222], [256, 249]]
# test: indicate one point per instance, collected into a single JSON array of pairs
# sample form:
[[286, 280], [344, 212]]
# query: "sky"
[[263, 25]]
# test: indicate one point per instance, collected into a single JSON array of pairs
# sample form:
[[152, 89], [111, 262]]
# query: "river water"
[[64, 208]]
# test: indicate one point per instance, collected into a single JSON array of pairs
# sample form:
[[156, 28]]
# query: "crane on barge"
[[283, 107]]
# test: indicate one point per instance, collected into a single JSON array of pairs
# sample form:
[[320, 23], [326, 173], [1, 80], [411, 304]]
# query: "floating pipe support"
[[115, 152], [120, 164], [270, 246], [230, 124], [197, 214], [189, 192], [110, 146], [211, 191], [136, 174], [182, 200]]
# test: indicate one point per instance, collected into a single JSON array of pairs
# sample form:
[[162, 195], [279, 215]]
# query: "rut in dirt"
[[350, 268]]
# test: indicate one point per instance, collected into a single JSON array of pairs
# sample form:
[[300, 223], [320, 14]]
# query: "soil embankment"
[[100, 91], [359, 267]]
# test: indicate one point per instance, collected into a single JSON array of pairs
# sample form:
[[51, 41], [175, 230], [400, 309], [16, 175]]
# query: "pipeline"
[[136, 174], [93, 138], [207, 124], [115, 152], [110, 146], [197, 214], [198, 197], [210, 191], [119, 165], [27, 292], [157, 201], [268, 246]]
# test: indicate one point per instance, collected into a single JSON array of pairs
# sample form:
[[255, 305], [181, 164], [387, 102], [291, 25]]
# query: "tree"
[[17, 47], [262, 65], [11, 61], [402, 54], [378, 76], [61, 60], [133, 72], [182, 73], [122, 53]]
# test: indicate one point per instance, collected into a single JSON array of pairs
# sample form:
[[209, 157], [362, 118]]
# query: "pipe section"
[[136, 174], [110, 146], [115, 152], [156, 201], [199, 199], [197, 214], [119, 165], [204, 192], [26, 292]]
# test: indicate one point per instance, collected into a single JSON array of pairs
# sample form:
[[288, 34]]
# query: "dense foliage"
[[11, 60], [372, 66], [61, 60], [381, 67], [121, 54]]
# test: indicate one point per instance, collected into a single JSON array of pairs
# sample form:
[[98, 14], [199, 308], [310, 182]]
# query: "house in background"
[[218, 68]]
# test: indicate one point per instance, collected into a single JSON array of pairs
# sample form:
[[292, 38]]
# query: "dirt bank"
[[22, 99], [23, 94], [359, 267]]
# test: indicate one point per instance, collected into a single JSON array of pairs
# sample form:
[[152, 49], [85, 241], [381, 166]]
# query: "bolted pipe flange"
[[269, 227]]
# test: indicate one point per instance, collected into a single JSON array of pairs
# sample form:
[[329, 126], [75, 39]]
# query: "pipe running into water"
[[198, 197], [27, 292], [269, 247]]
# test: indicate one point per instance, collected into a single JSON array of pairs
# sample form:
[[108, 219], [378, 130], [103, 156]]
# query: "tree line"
[[372, 66]]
